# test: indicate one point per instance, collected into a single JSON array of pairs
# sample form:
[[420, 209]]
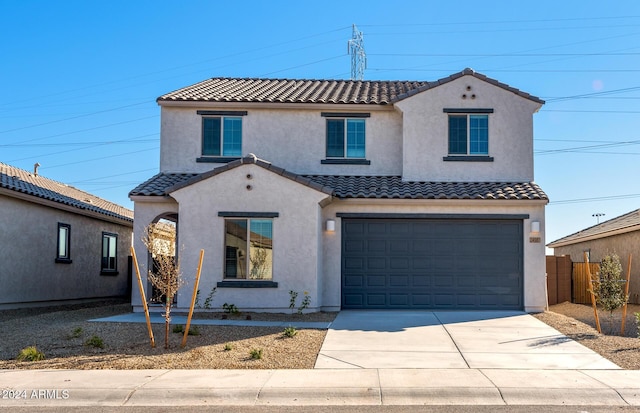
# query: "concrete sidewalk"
[[319, 387], [451, 340]]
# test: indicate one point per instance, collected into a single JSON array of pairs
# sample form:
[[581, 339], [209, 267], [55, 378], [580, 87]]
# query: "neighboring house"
[[59, 243], [364, 194], [620, 235]]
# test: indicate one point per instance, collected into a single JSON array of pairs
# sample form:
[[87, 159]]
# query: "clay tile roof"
[[340, 186], [375, 92], [392, 187], [624, 223], [25, 182]]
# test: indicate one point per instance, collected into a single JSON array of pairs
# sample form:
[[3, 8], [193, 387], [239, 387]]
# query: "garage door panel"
[[421, 280], [376, 245], [376, 263], [396, 280], [432, 263], [376, 300], [376, 281]]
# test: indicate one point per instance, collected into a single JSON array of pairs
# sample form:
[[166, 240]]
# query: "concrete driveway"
[[451, 340]]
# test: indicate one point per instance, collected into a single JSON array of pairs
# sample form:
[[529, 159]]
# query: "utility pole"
[[358, 55]]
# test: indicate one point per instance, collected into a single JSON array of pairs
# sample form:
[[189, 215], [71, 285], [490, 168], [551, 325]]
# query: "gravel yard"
[[61, 333]]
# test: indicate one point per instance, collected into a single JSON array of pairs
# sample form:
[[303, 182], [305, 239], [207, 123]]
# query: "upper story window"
[[221, 134], [63, 254], [346, 138], [468, 133]]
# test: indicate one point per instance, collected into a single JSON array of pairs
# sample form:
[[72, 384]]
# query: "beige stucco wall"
[[622, 244], [297, 236], [29, 273], [293, 139], [535, 298], [425, 130]]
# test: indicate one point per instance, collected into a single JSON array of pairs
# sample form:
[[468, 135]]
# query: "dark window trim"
[[345, 115], [247, 284], [345, 161], [67, 259], [468, 110], [230, 214], [365, 215], [468, 158], [222, 112], [217, 159]]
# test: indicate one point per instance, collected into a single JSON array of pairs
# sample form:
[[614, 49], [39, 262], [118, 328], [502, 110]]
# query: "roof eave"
[[560, 243], [116, 218]]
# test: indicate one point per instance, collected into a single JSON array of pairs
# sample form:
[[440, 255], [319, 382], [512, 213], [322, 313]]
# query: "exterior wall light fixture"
[[331, 225]]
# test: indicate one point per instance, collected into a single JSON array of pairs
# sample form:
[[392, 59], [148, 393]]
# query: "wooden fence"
[[558, 279], [581, 294]]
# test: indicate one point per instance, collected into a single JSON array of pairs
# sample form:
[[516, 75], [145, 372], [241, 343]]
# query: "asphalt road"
[[334, 409]]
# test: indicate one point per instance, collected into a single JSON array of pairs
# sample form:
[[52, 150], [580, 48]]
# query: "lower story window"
[[109, 252], [248, 249], [63, 253]]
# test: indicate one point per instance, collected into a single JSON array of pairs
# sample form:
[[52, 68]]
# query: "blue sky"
[[80, 78]]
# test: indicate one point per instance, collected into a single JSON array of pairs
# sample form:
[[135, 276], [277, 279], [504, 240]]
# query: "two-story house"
[[363, 194]]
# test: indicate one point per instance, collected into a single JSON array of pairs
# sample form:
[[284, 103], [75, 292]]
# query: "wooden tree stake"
[[626, 294], [144, 299], [593, 295], [193, 300]]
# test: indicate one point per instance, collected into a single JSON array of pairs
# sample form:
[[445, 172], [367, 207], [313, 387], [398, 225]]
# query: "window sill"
[[217, 159], [468, 158], [63, 261], [247, 284], [106, 272], [345, 161]]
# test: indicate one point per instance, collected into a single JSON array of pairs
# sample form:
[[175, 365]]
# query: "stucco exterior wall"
[[29, 274], [425, 131], [535, 298], [622, 244], [297, 233], [292, 139]]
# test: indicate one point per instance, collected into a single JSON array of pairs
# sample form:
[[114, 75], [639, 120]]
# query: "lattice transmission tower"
[[358, 55]]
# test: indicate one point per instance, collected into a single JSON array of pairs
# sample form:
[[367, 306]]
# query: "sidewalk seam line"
[[607, 385], [495, 385], [136, 388]]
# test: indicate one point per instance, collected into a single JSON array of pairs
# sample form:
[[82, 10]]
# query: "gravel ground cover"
[[61, 333], [577, 322]]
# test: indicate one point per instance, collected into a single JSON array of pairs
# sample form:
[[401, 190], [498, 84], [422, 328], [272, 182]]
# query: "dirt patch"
[[61, 334], [577, 322]]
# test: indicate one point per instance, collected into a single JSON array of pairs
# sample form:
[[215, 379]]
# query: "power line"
[[594, 199]]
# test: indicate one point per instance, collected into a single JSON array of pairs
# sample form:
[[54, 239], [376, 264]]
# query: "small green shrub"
[[76, 333], [94, 341], [290, 332], [228, 347], [193, 330], [30, 353], [207, 301], [230, 308], [256, 353], [293, 295], [638, 322]]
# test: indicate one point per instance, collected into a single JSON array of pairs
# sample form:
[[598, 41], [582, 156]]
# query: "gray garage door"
[[473, 264]]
